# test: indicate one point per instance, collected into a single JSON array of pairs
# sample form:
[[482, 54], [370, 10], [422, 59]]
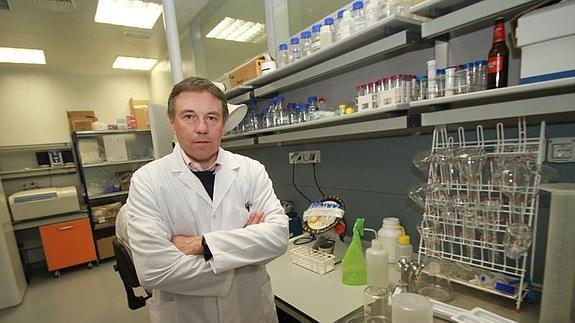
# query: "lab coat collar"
[[224, 176]]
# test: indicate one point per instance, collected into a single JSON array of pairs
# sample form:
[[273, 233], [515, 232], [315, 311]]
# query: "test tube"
[[431, 79]]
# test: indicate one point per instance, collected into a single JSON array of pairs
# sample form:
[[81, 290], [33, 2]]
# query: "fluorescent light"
[[22, 55], [238, 30], [134, 63], [131, 13]]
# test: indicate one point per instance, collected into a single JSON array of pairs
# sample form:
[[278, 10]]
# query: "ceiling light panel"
[[22, 55], [134, 63], [238, 30], [130, 13]]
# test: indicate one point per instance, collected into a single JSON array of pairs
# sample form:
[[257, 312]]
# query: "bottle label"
[[499, 33], [495, 64]]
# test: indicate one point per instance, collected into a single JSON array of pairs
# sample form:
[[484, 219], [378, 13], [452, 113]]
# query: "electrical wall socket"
[[304, 157]]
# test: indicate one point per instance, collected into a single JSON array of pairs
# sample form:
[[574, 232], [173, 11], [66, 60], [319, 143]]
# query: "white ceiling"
[[73, 42]]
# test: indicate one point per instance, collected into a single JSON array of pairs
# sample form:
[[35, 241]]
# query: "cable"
[[316, 183], [304, 240], [295, 186]]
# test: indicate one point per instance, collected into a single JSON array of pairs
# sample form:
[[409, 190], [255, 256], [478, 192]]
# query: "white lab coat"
[[166, 199]]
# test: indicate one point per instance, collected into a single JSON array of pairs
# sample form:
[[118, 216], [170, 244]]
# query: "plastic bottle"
[[294, 50], [388, 234], [346, 26], [358, 14], [315, 44], [403, 248], [326, 33], [283, 55], [377, 264], [306, 43], [354, 267]]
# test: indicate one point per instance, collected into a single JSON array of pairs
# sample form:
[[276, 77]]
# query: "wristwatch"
[[207, 252]]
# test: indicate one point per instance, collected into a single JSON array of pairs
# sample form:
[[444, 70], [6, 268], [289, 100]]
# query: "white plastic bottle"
[[326, 33], [358, 14], [388, 234], [346, 26], [377, 265], [403, 248]]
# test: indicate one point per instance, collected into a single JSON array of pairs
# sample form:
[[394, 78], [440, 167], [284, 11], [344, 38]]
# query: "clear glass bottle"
[[282, 114], [358, 14], [346, 26], [326, 33], [282, 56], [294, 50], [306, 43], [481, 74], [373, 12], [315, 43], [336, 22]]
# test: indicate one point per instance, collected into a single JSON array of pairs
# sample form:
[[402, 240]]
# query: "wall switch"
[[561, 150], [304, 157]]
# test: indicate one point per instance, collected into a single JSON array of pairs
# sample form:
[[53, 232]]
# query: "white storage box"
[[43, 202], [547, 40]]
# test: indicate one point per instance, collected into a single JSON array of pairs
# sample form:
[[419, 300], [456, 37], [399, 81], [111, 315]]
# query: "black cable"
[[304, 240], [316, 183], [295, 186]]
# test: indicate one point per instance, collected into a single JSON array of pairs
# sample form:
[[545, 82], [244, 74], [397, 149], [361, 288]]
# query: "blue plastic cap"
[[358, 5], [283, 46], [469, 65], [312, 99], [294, 40], [480, 62], [316, 28], [305, 106], [421, 77], [340, 13], [440, 71], [306, 34], [328, 21], [272, 101], [280, 98]]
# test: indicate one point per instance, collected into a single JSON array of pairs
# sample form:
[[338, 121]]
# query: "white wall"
[[33, 101]]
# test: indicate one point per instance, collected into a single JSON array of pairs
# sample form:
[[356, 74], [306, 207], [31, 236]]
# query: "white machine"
[[31, 204]]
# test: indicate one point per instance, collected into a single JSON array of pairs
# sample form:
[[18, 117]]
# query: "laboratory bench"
[[311, 297]]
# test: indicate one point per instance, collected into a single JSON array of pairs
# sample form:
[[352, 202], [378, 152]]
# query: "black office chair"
[[125, 267]]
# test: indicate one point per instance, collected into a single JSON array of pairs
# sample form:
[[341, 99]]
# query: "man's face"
[[198, 125]]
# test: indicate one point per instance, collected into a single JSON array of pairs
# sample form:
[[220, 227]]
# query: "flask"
[[315, 44], [403, 248], [306, 43], [294, 51], [326, 33], [388, 234], [283, 55], [377, 264], [358, 15], [498, 58], [354, 271]]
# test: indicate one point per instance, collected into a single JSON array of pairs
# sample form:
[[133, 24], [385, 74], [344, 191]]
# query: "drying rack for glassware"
[[466, 217]]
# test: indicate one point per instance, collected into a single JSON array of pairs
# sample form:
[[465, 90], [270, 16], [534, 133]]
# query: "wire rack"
[[469, 205]]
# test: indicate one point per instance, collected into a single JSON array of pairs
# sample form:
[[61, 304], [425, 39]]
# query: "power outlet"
[[304, 157]]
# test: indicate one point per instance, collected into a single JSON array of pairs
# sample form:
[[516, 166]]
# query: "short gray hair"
[[196, 84]]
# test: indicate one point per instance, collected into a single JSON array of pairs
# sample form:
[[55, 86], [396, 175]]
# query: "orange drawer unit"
[[67, 244]]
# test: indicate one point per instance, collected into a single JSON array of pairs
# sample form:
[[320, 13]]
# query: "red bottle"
[[498, 59]]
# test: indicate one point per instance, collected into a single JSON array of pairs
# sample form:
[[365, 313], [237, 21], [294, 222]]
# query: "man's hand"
[[255, 218], [189, 245]]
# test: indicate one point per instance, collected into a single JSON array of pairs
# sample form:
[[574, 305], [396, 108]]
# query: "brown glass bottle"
[[498, 59]]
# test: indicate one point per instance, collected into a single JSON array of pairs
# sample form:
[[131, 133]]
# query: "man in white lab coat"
[[203, 222]]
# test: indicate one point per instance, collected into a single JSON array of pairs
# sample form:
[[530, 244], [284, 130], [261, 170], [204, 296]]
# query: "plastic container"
[[283, 55], [409, 307], [377, 261], [388, 234], [306, 43], [358, 14], [346, 26], [294, 50], [317, 261], [326, 33], [315, 44], [403, 247], [354, 267]]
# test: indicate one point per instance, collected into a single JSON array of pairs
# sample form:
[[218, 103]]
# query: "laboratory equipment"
[[346, 26], [358, 14], [326, 33], [354, 267], [376, 305], [409, 307], [294, 49], [403, 248], [388, 234], [31, 204], [283, 58], [317, 261], [377, 261], [315, 41], [306, 43]]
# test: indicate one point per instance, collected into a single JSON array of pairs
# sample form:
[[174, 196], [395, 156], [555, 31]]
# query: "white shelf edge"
[[426, 7], [238, 143], [37, 172], [467, 16], [109, 132], [37, 147], [105, 195], [136, 161]]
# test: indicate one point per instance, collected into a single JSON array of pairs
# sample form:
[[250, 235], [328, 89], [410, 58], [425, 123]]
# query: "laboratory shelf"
[[34, 172], [397, 43], [238, 142], [28, 224], [38, 147], [473, 17], [123, 162], [242, 98], [81, 134], [436, 8], [107, 195], [381, 29]]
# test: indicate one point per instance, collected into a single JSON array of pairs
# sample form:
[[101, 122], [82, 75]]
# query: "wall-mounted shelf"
[[34, 172], [107, 195], [81, 134], [123, 162], [38, 147], [381, 29], [475, 16], [436, 8]]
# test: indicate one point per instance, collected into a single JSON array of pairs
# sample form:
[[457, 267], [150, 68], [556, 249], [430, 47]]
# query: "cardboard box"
[[247, 71], [139, 109], [81, 120], [105, 247]]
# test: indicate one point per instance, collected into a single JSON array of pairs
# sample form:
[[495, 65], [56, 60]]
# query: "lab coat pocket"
[[268, 304], [241, 217], [162, 312]]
